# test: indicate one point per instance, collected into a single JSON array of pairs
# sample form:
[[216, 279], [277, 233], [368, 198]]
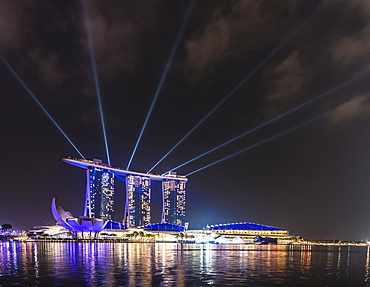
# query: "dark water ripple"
[[169, 264]]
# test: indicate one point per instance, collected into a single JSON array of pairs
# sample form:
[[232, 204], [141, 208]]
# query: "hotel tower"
[[99, 201]]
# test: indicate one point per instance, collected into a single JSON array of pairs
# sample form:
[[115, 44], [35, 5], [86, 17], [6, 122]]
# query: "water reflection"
[[170, 264], [367, 265], [305, 260]]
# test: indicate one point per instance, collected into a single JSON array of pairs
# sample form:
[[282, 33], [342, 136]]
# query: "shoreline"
[[121, 240]]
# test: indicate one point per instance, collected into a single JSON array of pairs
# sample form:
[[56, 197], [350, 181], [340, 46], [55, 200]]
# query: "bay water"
[[174, 264]]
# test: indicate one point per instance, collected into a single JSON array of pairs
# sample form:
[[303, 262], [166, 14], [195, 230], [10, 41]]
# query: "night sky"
[[313, 181]]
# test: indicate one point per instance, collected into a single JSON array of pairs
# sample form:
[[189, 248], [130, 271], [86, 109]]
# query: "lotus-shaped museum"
[[81, 224]]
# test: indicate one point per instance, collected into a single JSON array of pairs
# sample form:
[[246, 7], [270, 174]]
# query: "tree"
[[6, 226], [181, 236]]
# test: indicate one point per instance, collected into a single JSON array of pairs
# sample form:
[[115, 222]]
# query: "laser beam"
[[40, 105], [163, 78], [116, 175], [95, 73], [250, 74], [356, 78], [262, 142], [203, 207]]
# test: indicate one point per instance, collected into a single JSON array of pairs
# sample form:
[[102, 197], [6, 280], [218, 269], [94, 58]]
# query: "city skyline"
[[270, 98]]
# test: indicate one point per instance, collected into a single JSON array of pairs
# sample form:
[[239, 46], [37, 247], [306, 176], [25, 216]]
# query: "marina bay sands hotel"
[[99, 202]]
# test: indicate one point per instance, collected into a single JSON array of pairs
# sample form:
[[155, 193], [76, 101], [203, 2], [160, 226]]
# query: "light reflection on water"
[[171, 264]]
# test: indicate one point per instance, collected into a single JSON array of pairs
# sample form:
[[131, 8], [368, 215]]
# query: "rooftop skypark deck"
[[120, 171]]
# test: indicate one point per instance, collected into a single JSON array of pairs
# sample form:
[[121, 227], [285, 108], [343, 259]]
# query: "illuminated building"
[[137, 210], [99, 193], [173, 194], [166, 227], [81, 224], [100, 183], [236, 233], [248, 229]]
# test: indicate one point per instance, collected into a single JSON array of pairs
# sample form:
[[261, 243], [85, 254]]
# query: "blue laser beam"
[[250, 74], [278, 117], [203, 207], [95, 73], [117, 176], [262, 142], [40, 105], [163, 78]]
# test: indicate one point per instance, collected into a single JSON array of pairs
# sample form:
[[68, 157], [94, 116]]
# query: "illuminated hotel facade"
[[173, 194], [137, 209], [99, 199], [99, 202]]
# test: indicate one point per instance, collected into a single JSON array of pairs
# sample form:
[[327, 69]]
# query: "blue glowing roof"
[[114, 225], [243, 226], [164, 227]]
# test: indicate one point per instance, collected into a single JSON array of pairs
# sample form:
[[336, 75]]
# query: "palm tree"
[[141, 234], [181, 236], [6, 226]]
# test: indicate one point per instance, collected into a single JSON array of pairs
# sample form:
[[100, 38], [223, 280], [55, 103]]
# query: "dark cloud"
[[358, 106], [287, 80], [210, 46], [11, 24], [47, 67], [354, 48], [228, 35], [114, 39], [320, 57]]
